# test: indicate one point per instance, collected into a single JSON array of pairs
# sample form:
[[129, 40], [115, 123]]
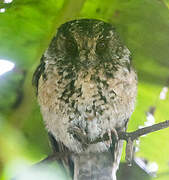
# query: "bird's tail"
[[97, 166]]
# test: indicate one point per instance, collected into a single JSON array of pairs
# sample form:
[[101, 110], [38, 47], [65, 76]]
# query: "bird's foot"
[[114, 132], [79, 135]]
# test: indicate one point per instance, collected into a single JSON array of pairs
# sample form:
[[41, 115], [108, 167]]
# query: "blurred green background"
[[26, 28]]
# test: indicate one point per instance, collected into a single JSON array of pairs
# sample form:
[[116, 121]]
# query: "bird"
[[86, 86]]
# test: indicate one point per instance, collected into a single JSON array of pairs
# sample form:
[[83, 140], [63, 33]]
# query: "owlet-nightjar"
[[86, 86]]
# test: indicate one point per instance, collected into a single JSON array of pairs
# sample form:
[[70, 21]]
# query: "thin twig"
[[140, 132]]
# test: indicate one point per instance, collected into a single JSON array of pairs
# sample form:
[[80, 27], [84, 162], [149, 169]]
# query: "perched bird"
[[86, 87]]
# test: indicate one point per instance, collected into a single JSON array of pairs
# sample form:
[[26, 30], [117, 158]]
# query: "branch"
[[130, 137], [127, 136], [140, 132]]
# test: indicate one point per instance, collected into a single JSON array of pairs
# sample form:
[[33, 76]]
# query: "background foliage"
[[26, 28]]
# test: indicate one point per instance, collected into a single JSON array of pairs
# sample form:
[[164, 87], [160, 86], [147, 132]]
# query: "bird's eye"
[[101, 46], [71, 47]]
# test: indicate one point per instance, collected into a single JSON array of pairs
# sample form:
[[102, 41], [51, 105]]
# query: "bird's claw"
[[112, 133], [80, 135]]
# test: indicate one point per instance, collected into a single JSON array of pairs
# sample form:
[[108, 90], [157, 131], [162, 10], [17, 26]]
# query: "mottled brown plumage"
[[85, 81]]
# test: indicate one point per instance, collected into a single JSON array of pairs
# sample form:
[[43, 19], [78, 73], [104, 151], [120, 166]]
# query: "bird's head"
[[88, 42]]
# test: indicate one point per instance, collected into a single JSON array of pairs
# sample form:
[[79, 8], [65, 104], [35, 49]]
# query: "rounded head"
[[87, 42]]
